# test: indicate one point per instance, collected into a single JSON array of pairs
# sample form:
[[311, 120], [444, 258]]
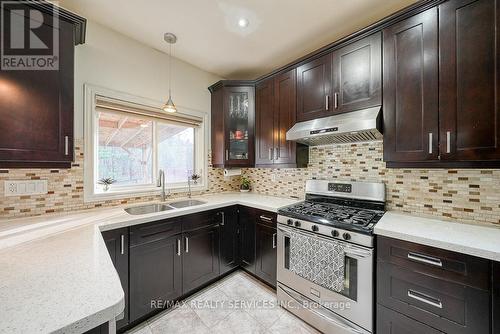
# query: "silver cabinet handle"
[[277, 153], [433, 261], [179, 247], [448, 142], [274, 240], [421, 297], [66, 145], [266, 218], [336, 100], [223, 222], [327, 102], [271, 154], [430, 142], [227, 154], [186, 239], [122, 244]]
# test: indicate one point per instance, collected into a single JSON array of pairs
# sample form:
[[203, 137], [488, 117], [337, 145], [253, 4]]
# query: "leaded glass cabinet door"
[[239, 126]]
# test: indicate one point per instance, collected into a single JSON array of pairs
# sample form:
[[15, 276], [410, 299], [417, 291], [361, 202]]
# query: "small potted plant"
[[106, 182], [195, 177], [245, 184]]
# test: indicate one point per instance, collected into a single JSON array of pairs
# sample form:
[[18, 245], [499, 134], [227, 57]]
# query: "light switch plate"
[[25, 187]]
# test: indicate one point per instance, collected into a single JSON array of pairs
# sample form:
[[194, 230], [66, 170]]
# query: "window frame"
[[91, 134]]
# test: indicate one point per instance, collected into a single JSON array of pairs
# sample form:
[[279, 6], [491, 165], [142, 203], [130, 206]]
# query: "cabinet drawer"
[[390, 322], [450, 266], [201, 219], [145, 233], [447, 306], [266, 218]]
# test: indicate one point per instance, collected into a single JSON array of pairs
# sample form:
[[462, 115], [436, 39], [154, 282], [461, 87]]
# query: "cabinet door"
[[239, 123], [36, 108], [496, 298], [118, 247], [469, 72], [246, 217], [217, 128], [200, 259], [285, 112], [314, 89], [389, 321], [411, 89], [266, 255], [357, 74], [264, 123], [155, 275], [229, 239]]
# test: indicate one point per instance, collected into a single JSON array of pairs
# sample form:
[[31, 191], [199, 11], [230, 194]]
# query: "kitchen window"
[[130, 139]]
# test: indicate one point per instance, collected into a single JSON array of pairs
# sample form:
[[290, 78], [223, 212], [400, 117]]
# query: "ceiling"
[[209, 37]]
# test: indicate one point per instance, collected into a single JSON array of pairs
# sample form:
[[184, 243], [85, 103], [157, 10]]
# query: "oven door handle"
[[357, 252], [337, 321]]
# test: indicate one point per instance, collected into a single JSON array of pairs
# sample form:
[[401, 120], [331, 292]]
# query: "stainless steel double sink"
[[160, 207]]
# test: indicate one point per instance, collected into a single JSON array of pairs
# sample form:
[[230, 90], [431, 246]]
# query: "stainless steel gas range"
[[325, 255]]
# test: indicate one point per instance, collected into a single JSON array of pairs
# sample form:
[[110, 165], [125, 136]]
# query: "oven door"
[[354, 302]]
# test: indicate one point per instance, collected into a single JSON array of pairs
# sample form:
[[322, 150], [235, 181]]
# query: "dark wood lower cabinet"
[[155, 275], [247, 218], [265, 265], [430, 290], [200, 259], [102, 329], [391, 322], [160, 262], [117, 243], [229, 240], [496, 298]]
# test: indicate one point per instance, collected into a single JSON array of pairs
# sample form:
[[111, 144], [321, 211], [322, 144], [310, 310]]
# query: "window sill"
[[116, 194]]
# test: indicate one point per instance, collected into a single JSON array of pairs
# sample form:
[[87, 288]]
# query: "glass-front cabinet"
[[233, 121]]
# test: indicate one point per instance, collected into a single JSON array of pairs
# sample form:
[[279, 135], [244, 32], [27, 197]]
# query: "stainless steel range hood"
[[356, 126]]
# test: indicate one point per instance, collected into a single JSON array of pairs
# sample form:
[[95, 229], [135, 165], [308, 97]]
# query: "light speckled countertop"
[[477, 240], [56, 273]]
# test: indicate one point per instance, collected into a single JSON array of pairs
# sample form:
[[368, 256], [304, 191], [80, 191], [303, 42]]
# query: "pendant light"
[[170, 106]]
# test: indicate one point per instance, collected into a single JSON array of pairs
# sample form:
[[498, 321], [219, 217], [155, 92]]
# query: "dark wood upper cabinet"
[[469, 80], [314, 89], [275, 115], [357, 75], [233, 122], [410, 102], [36, 106], [117, 244], [264, 122], [285, 108]]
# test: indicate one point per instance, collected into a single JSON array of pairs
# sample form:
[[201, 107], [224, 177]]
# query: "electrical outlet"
[[25, 187]]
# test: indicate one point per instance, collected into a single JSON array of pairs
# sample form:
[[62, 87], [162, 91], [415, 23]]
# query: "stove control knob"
[[315, 228], [297, 223], [335, 233], [289, 222], [346, 236]]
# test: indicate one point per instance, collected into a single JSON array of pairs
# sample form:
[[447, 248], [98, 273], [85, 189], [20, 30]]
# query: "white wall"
[[114, 61]]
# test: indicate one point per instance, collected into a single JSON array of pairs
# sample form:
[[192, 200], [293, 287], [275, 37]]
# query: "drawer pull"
[[122, 244], [425, 259], [274, 240], [425, 298], [186, 240], [179, 247], [266, 218]]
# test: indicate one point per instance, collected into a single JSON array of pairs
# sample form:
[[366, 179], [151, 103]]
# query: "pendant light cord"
[[170, 71]]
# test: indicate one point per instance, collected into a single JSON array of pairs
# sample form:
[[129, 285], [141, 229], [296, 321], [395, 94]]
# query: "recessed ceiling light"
[[243, 23]]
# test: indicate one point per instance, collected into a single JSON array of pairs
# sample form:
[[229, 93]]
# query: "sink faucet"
[[161, 183]]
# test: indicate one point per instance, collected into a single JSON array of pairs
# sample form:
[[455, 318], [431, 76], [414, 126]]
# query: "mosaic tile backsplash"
[[65, 190], [463, 195]]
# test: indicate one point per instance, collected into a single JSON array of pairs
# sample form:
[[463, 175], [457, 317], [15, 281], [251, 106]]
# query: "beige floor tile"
[[211, 306], [238, 322], [180, 321], [288, 323]]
